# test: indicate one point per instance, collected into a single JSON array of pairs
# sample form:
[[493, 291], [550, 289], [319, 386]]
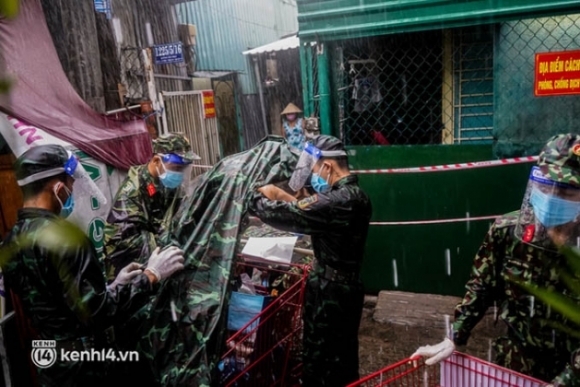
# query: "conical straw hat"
[[291, 108]]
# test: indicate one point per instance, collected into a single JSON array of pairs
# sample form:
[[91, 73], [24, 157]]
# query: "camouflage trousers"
[[541, 363], [332, 314]]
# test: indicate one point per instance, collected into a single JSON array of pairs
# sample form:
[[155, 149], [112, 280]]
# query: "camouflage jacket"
[[337, 221], [570, 377], [501, 262], [52, 267], [137, 217]]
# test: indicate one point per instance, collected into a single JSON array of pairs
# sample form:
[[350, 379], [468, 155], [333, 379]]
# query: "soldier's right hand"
[[163, 264], [436, 353]]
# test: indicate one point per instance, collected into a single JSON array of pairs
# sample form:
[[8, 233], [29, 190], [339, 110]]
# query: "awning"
[[44, 98], [279, 45], [211, 74]]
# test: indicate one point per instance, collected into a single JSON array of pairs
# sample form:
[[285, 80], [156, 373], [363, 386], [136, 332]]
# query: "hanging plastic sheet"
[[43, 97]]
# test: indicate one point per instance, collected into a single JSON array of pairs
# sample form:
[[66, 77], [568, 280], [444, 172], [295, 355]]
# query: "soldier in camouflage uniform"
[[522, 247], [145, 201], [336, 217], [55, 278], [144, 205]]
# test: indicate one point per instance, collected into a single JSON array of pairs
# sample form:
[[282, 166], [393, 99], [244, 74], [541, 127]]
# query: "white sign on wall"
[[88, 214]]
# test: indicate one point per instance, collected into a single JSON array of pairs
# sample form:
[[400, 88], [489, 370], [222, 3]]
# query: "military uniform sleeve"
[[127, 235], [570, 377], [84, 286], [481, 287], [314, 214]]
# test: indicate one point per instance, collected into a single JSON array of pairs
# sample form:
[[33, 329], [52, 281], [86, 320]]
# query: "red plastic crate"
[[459, 370]]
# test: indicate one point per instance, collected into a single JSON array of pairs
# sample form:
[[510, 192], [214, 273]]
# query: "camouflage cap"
[[40, 162], [177, 144], [560, 159], [327, 143]]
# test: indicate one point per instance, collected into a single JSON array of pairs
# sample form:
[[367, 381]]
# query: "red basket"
[[459, 370], [408, 372], [465, 370], [269, 345]]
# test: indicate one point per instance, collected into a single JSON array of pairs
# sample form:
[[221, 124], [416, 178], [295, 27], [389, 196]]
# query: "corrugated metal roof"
[[227, 28], [279, 45]]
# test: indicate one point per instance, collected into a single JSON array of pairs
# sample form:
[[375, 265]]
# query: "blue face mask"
[[552, 211], [319, 184], [171, 179], [67, 208]]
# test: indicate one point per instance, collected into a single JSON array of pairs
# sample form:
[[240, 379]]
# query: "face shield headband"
[[69, 167], [309, 157], [173, 158]]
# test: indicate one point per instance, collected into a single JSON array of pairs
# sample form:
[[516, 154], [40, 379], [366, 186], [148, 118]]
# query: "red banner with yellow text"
[[557, 73], [208, 104]]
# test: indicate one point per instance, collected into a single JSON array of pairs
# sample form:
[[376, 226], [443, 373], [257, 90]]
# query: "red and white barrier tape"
[[450, 167], [436, 221]]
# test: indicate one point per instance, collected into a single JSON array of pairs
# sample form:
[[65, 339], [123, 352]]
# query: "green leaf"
[[572, 255], [563, 328], [9, 8], [571, 282], [557, 301]]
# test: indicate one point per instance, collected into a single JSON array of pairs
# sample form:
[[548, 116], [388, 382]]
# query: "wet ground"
[[382, 343]]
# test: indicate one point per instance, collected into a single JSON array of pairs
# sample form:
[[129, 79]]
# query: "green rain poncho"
[[183, 336]]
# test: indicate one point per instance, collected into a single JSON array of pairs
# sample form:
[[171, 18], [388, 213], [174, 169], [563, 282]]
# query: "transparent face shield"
[[84, 188], [175, 172], [310, 155], [308, 159], [550, 213]]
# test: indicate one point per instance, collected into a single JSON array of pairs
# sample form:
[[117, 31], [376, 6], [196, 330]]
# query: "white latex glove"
[[127, 274], [163, 264], [436, 353]]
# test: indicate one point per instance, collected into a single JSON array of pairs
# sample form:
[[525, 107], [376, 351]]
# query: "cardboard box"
[[187, 34]]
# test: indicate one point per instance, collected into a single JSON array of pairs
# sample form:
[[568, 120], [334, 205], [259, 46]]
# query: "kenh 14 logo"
[[43, 353]]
